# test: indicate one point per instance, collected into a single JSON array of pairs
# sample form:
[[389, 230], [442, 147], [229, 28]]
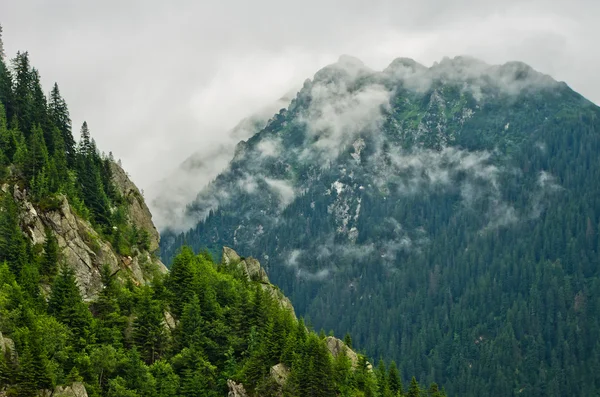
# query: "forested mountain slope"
[[447, 217], [87, 309]]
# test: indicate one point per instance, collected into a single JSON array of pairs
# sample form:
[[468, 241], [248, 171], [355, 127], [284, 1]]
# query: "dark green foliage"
[[126, 349], [13, 244], [148, 328], [394, 381], [67, 306], [49, 265], [348, 340], [23, 92], [89, 173], [59, 116]]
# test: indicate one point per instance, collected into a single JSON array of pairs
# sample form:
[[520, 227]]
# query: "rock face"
[[7, 348], [254, 271], [280, 374], [336, 346], [236, 389], [77, 389], [82, 248], [139, 214], [229, 257]]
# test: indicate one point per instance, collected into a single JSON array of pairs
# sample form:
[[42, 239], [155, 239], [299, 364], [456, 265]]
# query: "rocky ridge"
[[253, 270], [82, 248], [279, 373]]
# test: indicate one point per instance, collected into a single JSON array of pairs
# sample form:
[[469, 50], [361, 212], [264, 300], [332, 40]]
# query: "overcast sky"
[[157, 80]]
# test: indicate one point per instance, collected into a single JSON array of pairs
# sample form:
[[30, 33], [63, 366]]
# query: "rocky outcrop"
[[336, 347], [7, 348], [280, 374], [138, 211], [236, 389], [82, 248], [250, 266], [254, 272], [230, 257], [77, 389]]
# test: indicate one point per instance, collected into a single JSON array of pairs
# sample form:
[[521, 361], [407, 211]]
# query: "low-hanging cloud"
[[336, 115], [207, 66]]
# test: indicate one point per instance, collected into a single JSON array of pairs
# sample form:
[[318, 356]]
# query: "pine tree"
[[394, 380], [90, 180], [348, 340], [5, 371], [342, 369], [37, 154], [315, 372], [413, 389], [148, 328], [49, 265], [59, 177], [23, 94], [67, 306], [29, 280], [180, 280], [364, 377], [59, 116], [2, 54], [167, 381], [8, 140], [6, 83], [40, 110], [26, 375], [382, 381], [13, 244], [434, 391], [191, 325]]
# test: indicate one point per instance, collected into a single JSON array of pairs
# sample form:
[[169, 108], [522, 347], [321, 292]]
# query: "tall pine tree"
[[59, 116]]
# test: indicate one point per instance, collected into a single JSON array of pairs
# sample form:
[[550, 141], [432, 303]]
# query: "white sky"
[[158, 80]]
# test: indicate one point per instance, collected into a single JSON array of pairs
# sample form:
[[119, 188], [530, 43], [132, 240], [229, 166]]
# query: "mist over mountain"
[[446, 216], [170, 196], [88, 309]]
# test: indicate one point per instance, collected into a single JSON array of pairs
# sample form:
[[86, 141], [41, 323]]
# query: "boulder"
[[82, 248], [255, 272], [138, 211], [336, 346], [236, 389], [7, 348], [77, 389], [280, 374], [229, 256]]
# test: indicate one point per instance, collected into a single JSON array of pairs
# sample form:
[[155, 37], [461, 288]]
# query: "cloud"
[[158, 82], [337, 114], [295, 261], [169, 196], [509, 78], [284, 189]]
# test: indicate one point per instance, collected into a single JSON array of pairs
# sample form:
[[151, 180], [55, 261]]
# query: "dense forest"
[[457, 234], [187, 333]]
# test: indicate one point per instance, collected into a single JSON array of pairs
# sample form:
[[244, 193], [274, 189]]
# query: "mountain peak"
[[403, 63], [349, 61], [346, 68]]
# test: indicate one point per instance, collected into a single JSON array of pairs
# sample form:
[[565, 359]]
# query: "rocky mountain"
[[82, 248], [446, 216], [87, 309]]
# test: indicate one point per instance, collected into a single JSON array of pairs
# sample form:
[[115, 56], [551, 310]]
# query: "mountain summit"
[[446, 216]]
